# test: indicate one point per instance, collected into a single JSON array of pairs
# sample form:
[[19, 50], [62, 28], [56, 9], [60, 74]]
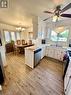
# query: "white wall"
[[52, 25], [33, 29], [35, 26], [6, 26], [24, 35], [42, 29]]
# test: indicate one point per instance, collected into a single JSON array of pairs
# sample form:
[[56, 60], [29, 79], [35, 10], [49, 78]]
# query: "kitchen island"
[[34, 54]]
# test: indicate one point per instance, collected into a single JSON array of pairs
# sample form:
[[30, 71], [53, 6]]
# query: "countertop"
[[34, 48]]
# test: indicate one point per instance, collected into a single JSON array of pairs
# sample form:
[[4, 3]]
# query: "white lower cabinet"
[[51, 53], [43, 52], [68, 92], [67, 81], [55, 52]]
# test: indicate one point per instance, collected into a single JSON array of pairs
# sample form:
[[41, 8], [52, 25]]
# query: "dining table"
[[22, 47]]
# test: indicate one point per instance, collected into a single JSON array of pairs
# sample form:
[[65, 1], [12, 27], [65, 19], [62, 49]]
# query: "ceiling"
[[21, 12]]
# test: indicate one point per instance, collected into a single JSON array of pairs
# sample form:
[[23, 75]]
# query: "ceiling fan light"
[[58, 18], [54, 18]]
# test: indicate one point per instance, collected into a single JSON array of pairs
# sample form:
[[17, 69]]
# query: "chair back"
[[18, 42], [30, 42], [23, 42]]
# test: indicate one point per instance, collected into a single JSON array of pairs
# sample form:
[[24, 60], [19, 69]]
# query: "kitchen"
[[34, 51]]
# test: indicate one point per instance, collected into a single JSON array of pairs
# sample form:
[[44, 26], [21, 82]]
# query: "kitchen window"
[[18, 35], [7, 36], [13, 37], [62, 36]]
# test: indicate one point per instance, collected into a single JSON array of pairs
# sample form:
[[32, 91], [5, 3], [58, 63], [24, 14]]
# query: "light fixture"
[[55, 18], [20, 28]]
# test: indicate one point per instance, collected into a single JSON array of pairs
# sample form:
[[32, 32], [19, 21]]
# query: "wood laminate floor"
[[45, 79]]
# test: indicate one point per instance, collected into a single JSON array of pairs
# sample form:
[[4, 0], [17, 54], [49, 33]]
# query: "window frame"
[[10, 35], [19, 35], [58, 40], [5, 37], [14, 35]]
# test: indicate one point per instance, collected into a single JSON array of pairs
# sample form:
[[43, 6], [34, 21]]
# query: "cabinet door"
[[62, 52], [68, 90], [43, 52], [67, 76], [56, 53], [51, 53], [47, 51], [29, 58]]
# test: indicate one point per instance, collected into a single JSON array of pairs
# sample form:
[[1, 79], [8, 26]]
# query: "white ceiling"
[[20, 12]]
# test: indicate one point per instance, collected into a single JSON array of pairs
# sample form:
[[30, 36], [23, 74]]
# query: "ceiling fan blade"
[[47, 18], [66, 8], [48, 12], [66, 15]]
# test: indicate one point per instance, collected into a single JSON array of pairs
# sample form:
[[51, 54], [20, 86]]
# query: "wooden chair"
[[16, 50], [9, 47], [23, 42], [18, 42], [30, 42]]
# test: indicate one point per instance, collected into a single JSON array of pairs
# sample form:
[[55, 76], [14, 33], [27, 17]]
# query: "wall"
[[35, 26], [7, 27], [52, 25], [42, 29], [24, 35], [64, 23], [33, 29]]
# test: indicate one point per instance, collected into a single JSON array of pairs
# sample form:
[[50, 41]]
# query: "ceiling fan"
[[59, 12]]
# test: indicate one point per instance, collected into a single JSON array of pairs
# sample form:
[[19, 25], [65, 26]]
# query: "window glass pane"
[[53, 36], [13, 36], [43, 34], [62, 36], [7, 36], [48, 33], [18, 35]]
